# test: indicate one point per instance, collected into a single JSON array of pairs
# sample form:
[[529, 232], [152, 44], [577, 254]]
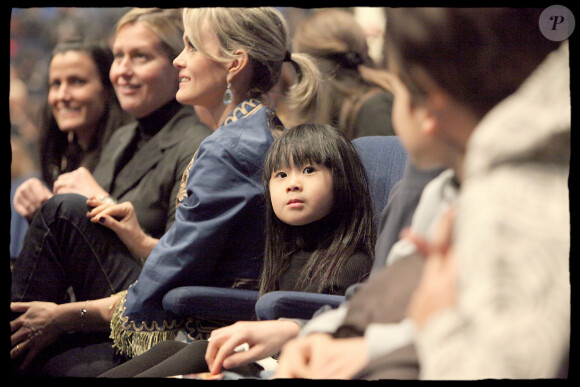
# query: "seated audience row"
[[218, 228], [306, 223]]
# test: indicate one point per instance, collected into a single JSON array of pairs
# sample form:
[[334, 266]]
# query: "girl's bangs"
[[297, 151]]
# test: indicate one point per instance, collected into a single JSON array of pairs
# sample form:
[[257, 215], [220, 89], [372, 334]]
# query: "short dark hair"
[[478, 55]]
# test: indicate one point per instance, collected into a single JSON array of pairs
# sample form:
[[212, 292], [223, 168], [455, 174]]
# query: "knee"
[[64, 205]]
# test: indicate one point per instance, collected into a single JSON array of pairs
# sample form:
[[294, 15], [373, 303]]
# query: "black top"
[[148, 127], [151, 177], [355, 270], [374, 117], [308, 239]]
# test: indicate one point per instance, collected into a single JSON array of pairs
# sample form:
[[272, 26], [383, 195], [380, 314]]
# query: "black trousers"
[[78, 355], [170, 358], [63, 249]]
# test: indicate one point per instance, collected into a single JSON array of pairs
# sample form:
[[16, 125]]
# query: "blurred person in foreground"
[[494, 297]]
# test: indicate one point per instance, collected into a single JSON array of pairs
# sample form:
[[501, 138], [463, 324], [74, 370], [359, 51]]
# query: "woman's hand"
[[121, 218], [29, 196], [320, 356], [79, 181], [264, 338], [34, 330]]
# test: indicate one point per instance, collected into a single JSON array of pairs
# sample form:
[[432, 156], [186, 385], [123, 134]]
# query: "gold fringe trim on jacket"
[[132, 340], [246, 108]]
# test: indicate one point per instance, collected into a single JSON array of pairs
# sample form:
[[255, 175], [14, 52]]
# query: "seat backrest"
[[384, 159]]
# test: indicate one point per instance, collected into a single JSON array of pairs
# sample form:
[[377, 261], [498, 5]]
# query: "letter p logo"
[[557, 23], [557, 20]]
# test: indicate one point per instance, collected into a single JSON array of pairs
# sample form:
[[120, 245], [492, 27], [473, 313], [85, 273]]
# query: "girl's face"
[[301, 194], [202, 81], [142, 74], [75, 92]]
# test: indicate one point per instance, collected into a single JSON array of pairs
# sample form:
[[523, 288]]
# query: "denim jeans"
[[63, 249]]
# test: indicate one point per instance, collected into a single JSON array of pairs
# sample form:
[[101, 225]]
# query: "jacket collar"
[[244, 109]]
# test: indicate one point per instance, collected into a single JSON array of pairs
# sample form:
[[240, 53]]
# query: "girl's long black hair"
[[352, 212]]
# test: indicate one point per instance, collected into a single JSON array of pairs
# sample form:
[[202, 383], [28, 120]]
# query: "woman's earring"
[[228, 94]]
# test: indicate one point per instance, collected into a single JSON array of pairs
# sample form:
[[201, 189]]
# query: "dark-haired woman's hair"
[[338, 45], [53, 142], [352, 212], [479, 56]]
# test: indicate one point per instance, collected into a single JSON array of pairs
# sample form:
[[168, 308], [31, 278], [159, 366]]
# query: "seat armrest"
[[211, 303], [290, 304]]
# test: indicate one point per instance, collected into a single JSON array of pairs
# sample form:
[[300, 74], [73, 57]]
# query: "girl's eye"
[[308, 170], [280, 175]]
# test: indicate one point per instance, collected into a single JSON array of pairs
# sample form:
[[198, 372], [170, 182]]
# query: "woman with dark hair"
[[80, 115], [56, 139], [356, 96]]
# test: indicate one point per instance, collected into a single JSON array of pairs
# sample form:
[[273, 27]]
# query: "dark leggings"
[[170, 358]]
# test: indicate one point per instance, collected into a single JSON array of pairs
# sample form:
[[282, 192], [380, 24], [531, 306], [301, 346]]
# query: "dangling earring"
[[228, 94]]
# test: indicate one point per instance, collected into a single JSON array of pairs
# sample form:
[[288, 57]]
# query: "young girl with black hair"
[[320, 237]]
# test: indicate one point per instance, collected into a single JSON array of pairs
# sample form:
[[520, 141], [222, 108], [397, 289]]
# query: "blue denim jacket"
[[218, 235]]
